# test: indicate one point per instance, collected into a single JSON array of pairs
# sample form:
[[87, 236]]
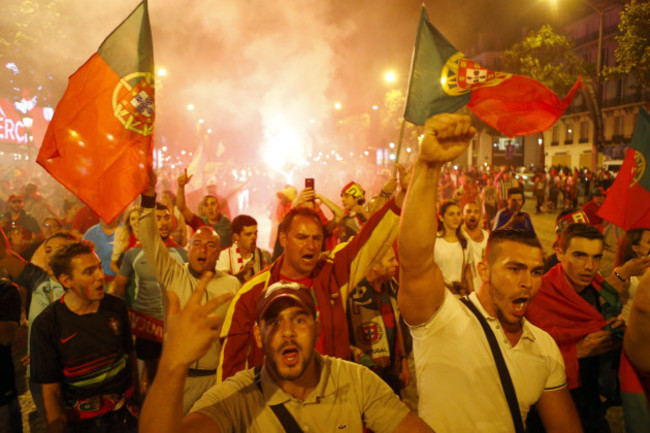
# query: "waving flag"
[[443, 80], [99, 142], [628, 199]]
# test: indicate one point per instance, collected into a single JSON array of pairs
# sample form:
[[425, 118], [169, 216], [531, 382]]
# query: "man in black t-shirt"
[[82, 351], [10, 416]]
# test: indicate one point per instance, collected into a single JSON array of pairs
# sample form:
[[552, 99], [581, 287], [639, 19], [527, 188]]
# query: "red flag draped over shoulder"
[[99, 143]]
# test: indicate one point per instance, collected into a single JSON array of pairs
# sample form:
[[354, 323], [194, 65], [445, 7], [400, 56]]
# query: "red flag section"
[[519, 105], [99, 144], [627, 203]]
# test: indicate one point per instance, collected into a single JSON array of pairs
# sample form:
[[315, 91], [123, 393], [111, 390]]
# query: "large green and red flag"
[[99, 143], [628, 199], [443, 80]]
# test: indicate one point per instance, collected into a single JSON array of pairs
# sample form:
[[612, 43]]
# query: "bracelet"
[[384, 194], [619, 276]]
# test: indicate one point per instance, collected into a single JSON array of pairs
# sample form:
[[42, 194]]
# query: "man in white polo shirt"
[[459, 386]]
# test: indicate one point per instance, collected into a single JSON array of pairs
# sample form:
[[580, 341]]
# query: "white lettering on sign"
[[12, 130]]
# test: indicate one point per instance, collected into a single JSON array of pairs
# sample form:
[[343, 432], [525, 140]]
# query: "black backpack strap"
[[504, 375], [281, 412]]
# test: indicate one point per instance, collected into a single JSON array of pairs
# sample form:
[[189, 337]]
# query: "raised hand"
[[150, 190], [192, 330], [446, 136], [184, 179]]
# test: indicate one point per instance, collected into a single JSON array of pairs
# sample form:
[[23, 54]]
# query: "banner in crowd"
[[146, 327], [443, 80], [99, 143], [628, 199]]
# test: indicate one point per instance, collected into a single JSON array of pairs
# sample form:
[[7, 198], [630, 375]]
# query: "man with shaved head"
[[457, 342], [203, 252]]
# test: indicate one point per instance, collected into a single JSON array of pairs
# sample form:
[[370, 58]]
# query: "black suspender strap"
[[504, 375], [281, 412]]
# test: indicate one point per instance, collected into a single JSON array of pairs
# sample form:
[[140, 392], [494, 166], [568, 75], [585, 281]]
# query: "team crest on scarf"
[[638, 169], [461, 75], [369, 332], [133, 102]]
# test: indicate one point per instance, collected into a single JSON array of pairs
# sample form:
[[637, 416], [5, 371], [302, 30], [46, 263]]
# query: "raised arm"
[[183, 180], [167, 270], [422, 287], [336, 210], [9, 260]]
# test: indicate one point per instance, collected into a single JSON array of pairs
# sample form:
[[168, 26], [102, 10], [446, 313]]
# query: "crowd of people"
[[172, 318]]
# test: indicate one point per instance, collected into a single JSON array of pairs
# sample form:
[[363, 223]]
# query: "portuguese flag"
[[99, 142], [443, 80], [627, 204]]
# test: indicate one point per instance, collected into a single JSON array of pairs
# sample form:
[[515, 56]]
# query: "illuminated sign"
[[23, 129]]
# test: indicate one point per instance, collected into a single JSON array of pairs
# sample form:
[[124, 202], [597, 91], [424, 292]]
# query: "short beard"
[[500, 316], [273, 366], [467, 225]]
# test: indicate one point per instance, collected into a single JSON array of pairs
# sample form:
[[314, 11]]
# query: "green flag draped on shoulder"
[[443, 80], [99, 143]]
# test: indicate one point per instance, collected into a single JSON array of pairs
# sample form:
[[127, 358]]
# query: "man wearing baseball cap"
[[353, 197], [17, 216], [296, 389]]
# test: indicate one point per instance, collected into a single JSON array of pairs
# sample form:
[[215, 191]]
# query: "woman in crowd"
[[452, 251], [126, 236]]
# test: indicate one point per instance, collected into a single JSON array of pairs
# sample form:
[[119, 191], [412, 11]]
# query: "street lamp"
[[390, 76]]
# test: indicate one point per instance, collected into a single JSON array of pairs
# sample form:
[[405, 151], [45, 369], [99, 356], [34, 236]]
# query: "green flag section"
[[99, 142], [628, 199], [443, 80], [432, 86]]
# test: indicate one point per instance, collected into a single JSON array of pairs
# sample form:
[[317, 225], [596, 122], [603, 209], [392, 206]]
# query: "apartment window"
[[556, 136], [568, 133], [584, 131], [617, 135]]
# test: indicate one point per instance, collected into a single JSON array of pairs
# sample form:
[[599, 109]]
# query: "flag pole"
[[399, 146], [408, 87]]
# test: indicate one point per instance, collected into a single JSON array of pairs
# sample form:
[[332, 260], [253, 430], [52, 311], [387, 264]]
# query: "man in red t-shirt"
[[591, 207]]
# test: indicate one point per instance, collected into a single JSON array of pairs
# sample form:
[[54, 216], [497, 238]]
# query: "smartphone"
[[309, 182]]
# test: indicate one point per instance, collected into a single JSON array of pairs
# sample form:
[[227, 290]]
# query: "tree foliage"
[[633, 52], [24, 25], [548, 58]]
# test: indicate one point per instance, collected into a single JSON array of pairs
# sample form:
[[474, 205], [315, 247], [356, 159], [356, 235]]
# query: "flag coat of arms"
[[443, 80], [627, 204], [99, 142]]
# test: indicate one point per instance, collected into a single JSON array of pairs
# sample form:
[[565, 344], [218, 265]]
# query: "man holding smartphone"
[[513, 217]]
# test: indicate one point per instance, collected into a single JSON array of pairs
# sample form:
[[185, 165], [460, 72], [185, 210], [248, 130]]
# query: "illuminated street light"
[[374, 107], [190, 107], [162, 72], [390, 76], [201, 120], [338, 106]]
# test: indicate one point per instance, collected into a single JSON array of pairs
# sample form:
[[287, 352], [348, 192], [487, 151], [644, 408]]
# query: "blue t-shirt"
[[103, 246]]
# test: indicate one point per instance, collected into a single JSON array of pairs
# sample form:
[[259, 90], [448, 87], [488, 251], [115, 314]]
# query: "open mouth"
[[519, 305], [290, 355], [308, 257]]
